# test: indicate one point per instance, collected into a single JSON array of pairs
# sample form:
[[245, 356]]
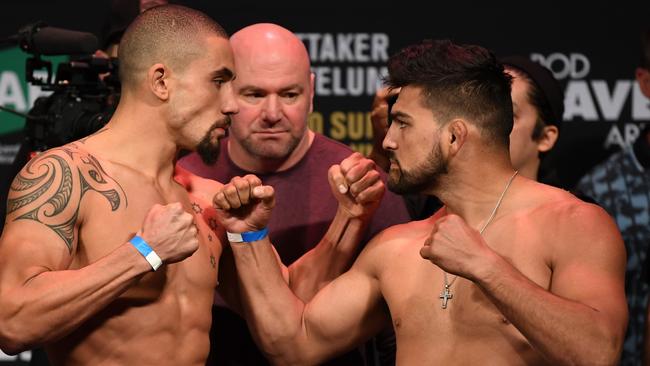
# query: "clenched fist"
[[244, 204], [170, 231], [357, 185]]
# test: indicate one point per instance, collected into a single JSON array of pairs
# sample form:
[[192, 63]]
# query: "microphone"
[[45, 40]]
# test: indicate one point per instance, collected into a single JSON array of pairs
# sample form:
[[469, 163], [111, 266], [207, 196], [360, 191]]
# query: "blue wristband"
[[248, 236], [146, 251]]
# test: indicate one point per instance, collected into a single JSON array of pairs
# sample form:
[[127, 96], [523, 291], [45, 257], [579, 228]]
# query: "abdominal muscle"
[[145, 326]]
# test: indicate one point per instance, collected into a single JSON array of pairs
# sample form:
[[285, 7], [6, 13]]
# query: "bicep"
[[590, 265], [41, 229], [344, 313]]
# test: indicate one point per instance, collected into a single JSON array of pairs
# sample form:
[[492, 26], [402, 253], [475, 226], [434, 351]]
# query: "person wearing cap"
[[538, 105]]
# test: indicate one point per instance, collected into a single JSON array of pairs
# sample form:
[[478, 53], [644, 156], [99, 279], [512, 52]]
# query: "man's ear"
[[312, 76], [457, 135], [643, 78], [548, 138], [158, 81]]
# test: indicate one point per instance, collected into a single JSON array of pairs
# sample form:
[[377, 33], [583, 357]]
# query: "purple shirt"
[[305, 205]]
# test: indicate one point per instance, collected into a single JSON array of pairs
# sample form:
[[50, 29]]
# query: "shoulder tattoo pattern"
[[48, 188]]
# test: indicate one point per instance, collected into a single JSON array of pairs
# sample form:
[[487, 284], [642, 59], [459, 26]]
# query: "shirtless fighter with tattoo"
[[105, 258]]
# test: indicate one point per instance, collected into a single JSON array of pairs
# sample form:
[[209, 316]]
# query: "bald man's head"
[[266, 44], [170, 34]]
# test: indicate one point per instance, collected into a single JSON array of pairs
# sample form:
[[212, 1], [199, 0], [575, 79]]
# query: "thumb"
[[336, 179], [266, 194]]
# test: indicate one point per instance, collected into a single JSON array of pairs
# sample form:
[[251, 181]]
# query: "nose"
[[389, 141], [272, 110], [229, 105]]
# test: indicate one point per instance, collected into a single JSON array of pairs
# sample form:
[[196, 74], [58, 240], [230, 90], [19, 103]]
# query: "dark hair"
[[458, 81], [544, 91]]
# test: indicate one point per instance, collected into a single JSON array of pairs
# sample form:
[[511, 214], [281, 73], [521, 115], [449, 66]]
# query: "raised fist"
[[170, 231], [244, 204]]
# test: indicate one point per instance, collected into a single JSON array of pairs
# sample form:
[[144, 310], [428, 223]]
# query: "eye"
[[290, 95], [401, 125], [218, 82]]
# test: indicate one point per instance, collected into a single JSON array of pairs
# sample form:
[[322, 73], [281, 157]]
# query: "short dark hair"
[[544, 91], [166, 33], [463, 81]]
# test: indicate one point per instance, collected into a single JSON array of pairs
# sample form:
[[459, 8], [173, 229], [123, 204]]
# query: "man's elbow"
[[14, 336], [11, 341], [607, 351]]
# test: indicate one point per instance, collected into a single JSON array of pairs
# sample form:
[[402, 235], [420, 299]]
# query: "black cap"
[[544, 79]]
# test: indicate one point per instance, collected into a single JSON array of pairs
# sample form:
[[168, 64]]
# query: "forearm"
[[332, 256], [564, 331], [51, 304], [273, 312]]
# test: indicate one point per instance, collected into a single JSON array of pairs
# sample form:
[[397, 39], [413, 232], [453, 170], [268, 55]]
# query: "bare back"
[[82, 207]]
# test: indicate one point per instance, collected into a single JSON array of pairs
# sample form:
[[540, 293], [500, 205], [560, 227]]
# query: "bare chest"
[[105, 227], [459, 322]]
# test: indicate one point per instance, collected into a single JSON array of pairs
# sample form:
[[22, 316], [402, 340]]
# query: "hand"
[[244, 204], [456, 247], [170, 231], [356, 185], [379, 119]]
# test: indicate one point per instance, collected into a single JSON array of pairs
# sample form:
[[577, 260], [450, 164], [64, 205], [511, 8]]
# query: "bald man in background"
[[269, 137]]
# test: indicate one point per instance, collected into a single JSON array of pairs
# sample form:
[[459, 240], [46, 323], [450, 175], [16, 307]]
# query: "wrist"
[[488, 270], [247, 236], [146, 251]]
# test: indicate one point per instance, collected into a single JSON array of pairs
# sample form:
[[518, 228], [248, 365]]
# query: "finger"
[[220, 202], [350, 162], [364, 183], [230, 192], [360, 170], [425, 252], [371, 194], [253, 180], [243, 189], [175, 207], [336, 179], [266, 194]]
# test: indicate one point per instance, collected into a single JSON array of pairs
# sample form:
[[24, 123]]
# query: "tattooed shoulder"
[[50, 188]]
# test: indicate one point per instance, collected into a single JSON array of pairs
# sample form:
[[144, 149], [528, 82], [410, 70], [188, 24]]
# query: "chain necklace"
[[446, 294]]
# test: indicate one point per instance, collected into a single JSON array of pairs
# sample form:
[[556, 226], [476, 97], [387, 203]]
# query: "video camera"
[[85, 91]]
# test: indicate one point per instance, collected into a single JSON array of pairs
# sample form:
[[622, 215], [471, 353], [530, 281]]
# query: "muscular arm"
[[41, 300], [343, 314], [338, 247], [581, 319]]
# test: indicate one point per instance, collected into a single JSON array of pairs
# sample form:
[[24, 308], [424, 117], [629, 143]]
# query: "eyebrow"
[[225, 73], [248, 88], [400, 115]]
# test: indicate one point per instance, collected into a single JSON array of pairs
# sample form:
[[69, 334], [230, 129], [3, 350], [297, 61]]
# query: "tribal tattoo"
[[53, 197]]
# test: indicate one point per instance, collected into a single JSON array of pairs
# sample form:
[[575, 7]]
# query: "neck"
[[530, 170], [473, 192], [244, 160], [135, 137]]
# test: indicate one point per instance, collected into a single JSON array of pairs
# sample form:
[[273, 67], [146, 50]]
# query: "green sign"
[[15, 92]]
